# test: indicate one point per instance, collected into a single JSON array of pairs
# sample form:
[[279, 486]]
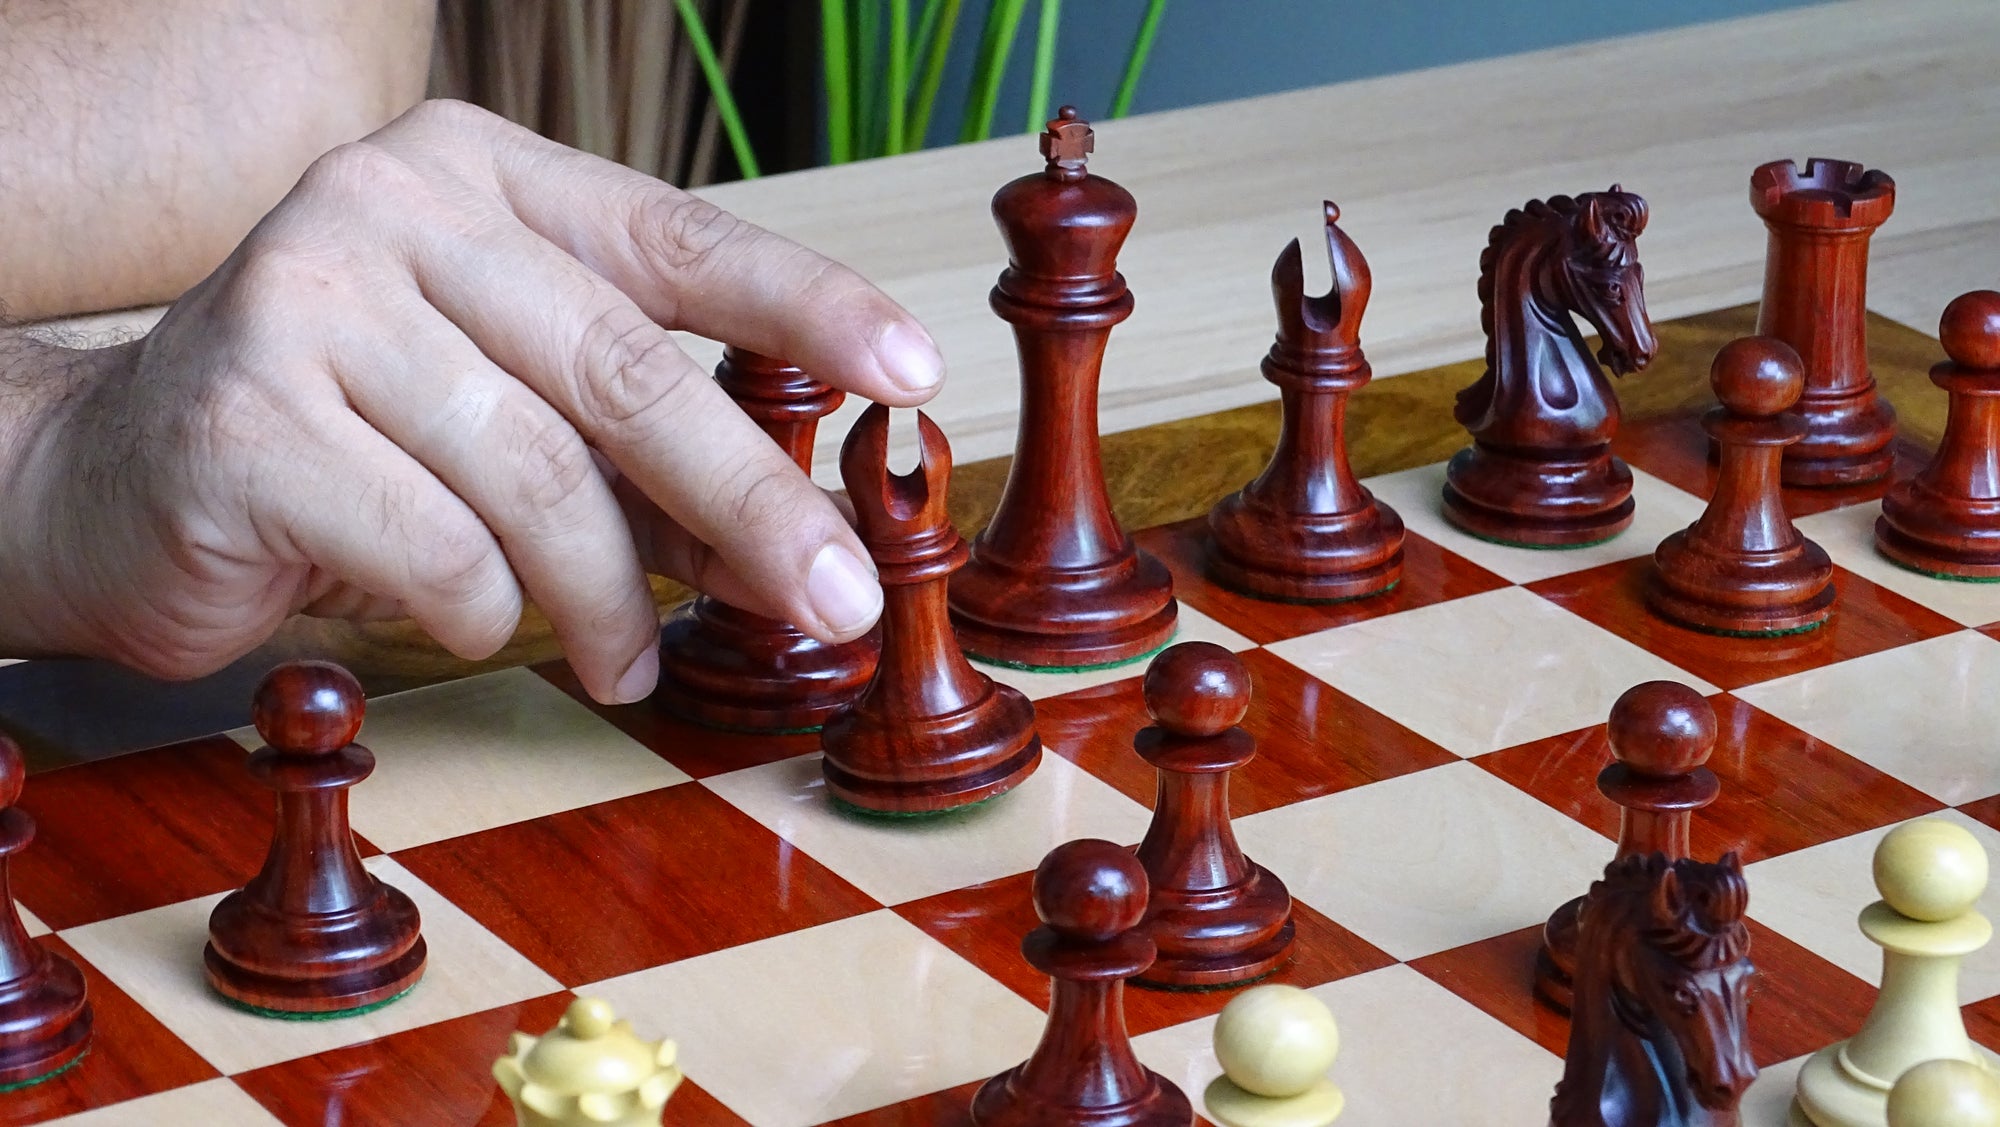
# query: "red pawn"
[[1661, 736], [1742, 568], [1091, 896], [1216, 916], [1945, 521], [313, 933], [45, 1016], [930, 732]]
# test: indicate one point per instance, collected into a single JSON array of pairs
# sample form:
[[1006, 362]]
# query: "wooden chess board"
[[1423, 785]]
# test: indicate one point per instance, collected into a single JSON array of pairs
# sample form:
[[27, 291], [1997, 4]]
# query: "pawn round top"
[[1970, 329], [1930, 870], [1662, 729], [1090, 890], [1945, 1093], [1196, 689], [1276, 1040], [1757, 376], [308, 708]]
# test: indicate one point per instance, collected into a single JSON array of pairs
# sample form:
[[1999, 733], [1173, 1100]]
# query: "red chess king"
[[1815, 299], [313, 933], [1054, 582], [45, 1016]]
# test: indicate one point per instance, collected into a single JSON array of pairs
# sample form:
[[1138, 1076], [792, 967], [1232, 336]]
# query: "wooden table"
[[1422, 164]]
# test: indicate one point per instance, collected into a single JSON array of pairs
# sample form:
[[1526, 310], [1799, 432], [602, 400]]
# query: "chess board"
[[1423, 785]]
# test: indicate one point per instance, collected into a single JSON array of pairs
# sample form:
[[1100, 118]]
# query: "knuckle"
[[557, 466], [358, 171], [444, 115], [766, 498], [680, 233], [456, 562], [630, 369]]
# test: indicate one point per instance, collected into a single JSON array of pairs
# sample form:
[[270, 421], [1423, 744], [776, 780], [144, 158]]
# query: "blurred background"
[[699, 91]]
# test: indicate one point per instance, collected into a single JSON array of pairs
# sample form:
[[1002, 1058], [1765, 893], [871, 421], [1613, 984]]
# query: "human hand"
[[435, 379]]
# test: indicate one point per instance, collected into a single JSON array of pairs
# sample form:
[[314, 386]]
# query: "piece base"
[[1231, 1106], [331, 996], [1554, 987], [1523, 531], [1067, 653], [1935, 560], [1000, 1102], [732, 671], [1829, 1096], [326, 1015], [1734, 622], [71, 1061], [919, 797], [1295, 587]]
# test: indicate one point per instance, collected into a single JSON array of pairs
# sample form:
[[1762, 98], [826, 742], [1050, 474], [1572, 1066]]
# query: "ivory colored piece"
[[1275, 1044], [1945, 519], [1930, 874], [1945, 1093], [591, 1070]]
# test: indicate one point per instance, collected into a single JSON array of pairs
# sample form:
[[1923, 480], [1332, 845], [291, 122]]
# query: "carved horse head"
[[1660, 1026], [1601, 279]]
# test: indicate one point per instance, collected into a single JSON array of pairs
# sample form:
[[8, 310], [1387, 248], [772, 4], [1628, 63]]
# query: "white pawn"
[[1275, 1044], [1945, 1093], [1930, 874], [591, 1070]]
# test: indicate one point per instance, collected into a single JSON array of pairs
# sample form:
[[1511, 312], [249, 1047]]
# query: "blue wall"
[[1213, 50]]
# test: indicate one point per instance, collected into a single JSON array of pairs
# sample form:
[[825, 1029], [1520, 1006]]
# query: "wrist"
[[45, 522]]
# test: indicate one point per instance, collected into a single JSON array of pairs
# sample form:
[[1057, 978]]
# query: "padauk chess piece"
[[1742, 568], [726, 667], [1216, 916], [1820, 219], [1053, 581], [1661, 735], [1090, 896], [313, 933], [1540, 471], [1945, 520], [45, 1014], [1306, 529], [929, 732]]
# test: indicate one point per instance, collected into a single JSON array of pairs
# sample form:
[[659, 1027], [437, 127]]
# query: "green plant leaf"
[[1135, 60], [897, 96], [1045, 65], [718, 88], [839, 110], [996, 42], [939, 48]]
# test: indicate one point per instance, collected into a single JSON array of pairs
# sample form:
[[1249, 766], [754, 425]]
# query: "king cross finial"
[[1067, 143]]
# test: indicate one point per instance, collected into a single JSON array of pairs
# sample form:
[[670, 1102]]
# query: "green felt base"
[[1211, 988], [329, 1015], [1807, 629], [864, 814], [49, 1075], [1942, 574], [1026, 668]]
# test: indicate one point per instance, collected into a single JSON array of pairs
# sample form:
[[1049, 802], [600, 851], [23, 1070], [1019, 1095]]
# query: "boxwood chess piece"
[[591, 1070]]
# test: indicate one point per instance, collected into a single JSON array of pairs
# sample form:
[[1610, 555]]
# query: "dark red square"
[[633, 883], [1782, 789], [1312, 739], [1866, 619], [1674, 447], [1430, 575]]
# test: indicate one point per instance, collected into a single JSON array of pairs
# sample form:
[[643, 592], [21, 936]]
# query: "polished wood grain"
[[313, 932], [726, 667], [1659, 1033], [1216, 916], [700, 750], [1764, 764], [1305, 529], [45, 1012], [929, 733], [1820, 218], [130, 1054], [608, 889], [1871, 618], [1053, 580], [441, 1073], [1660, 734], [1540, 471], [1742, 567], [1091, 896], [1312, 739], [1945, 519]]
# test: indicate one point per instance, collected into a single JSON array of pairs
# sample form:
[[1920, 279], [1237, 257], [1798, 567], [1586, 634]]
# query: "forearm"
[[141, 139]]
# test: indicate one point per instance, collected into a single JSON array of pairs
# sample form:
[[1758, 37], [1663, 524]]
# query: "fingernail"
[[844, 595], [909, 358], [639, 680]]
